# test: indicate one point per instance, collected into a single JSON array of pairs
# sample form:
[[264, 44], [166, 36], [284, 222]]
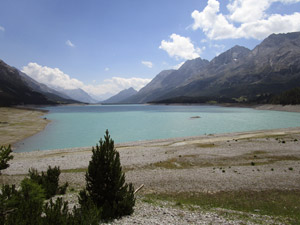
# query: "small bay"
[[81, 126]]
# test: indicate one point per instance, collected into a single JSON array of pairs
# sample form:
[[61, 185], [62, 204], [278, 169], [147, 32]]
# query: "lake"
[[81, 126]]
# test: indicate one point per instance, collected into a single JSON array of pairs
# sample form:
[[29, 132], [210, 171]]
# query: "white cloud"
[[180, 47], [248, 10], [2, 28], [106, 69], [114, 85], [69, 43], [148, 64], [251, 17], [54, 77], [214, 25]]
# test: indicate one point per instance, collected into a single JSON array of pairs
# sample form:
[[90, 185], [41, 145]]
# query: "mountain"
[[215, 75], [167, 80], [149, 92], [16, 88], [77, 94], [121, 96], [270, 68], [13, 90], [42, 88]]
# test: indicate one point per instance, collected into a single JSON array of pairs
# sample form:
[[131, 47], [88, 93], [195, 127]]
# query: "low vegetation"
[[105, 197], [5, 156], [48, 181], [290, 97], [283, 205]]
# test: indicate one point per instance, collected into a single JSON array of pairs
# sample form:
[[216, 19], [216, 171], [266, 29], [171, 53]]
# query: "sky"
[[105, 46]]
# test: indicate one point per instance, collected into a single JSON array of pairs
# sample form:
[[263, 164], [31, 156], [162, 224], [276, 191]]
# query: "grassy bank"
[[282, 205]]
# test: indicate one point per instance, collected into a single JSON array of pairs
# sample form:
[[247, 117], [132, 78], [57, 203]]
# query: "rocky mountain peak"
[[232, 55], [194, 63], [278, 41], [122, 95]]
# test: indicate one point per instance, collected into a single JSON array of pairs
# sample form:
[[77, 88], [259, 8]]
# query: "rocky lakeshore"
[[255, 161]]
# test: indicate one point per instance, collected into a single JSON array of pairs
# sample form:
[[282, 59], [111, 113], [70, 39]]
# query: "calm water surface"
[[79, 126]]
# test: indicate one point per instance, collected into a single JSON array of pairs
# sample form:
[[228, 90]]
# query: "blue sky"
[[106, 46]]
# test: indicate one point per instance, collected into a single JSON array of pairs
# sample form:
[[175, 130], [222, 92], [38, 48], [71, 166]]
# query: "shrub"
[[48, 181], [87, 214], [24, 206], [5, 157], [56, 213], [105, 182], [5, 197]]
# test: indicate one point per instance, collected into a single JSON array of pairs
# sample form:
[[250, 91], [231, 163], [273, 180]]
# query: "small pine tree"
[[105, 182], [5, 157], [48, 181]]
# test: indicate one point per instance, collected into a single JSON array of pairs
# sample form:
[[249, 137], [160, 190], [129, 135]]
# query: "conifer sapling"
[[105, 182]]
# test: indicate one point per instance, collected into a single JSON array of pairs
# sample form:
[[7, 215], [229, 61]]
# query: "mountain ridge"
[[17, 88], [272, 67], [76, 94], [119, 97]]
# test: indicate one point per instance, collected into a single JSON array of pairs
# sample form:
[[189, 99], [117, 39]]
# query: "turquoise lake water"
[[80, 126]]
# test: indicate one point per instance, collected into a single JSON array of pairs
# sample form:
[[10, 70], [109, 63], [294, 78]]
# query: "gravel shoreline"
[[210, 163], [204, 164], [254, 161]]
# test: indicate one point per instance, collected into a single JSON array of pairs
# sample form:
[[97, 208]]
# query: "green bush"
[[106, 196], [56, 213], [87, 214], [6, 194], [5, 157], [105, 182], [48, 181], [25, 206]]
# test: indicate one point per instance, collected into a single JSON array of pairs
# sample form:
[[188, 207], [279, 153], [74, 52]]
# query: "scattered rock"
[[195, 117]]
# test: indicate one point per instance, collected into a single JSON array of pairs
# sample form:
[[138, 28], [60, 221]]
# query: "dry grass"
[[283, 205], [205, 145], [18, 124], [194, 160]]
